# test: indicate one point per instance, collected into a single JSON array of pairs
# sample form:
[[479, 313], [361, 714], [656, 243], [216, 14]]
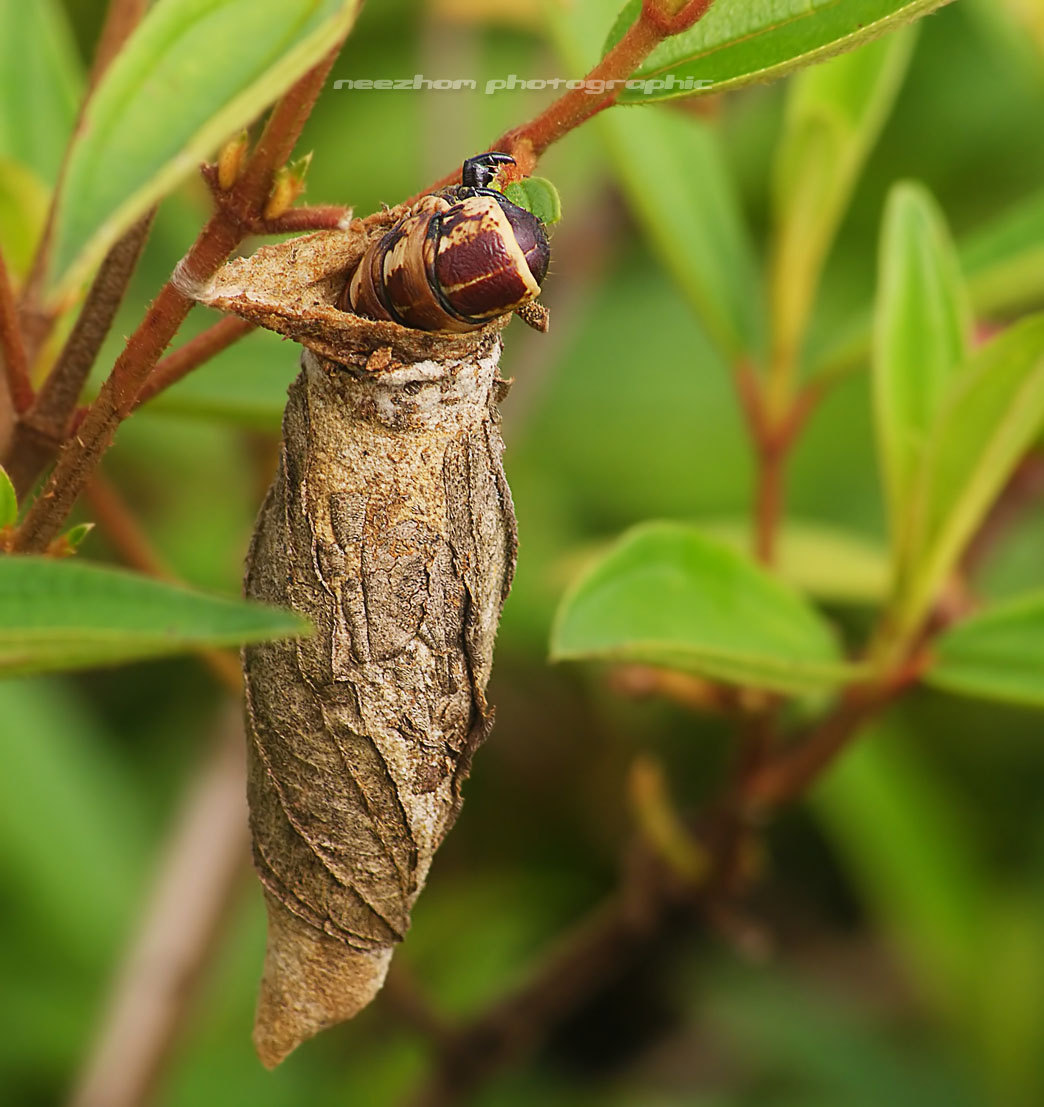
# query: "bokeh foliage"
[[908, 895]]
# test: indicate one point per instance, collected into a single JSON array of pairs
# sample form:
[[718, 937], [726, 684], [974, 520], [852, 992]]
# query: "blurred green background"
[[907, 898]]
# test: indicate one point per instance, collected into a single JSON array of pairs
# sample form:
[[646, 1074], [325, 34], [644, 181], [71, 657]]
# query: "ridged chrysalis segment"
[[389, 524]]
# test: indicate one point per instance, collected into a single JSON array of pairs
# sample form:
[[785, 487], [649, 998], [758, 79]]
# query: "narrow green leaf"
[[70, 615], [902, 842], [538, 195], [741, 42], [995, 655], [674, 176], [192, 74], [922, 335], [40, 85], [8, 501], [1003, 266], [988, 422], [69, 542], [834, 115], [829, 564], [668, 595]]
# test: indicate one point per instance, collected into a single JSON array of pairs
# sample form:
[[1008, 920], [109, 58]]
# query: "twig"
[[657, 20], [222, 233], [592, 953], [788, 775], [204, 859], [44, 426], [652, 898], [206, 345], [12, 347], [773, 438], [308, 217], [121, 17]]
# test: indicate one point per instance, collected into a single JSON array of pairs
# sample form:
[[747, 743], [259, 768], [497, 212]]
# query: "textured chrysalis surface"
[[390, 525]]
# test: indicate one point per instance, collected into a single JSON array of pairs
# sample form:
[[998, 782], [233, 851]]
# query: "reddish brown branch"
[[222, 234], [176, 366], [12, 346], [653, 898], [658, 20], [773, 439], [45, 426], [612, 937], [121, 18]]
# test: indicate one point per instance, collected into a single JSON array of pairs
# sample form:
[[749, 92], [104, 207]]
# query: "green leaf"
[[995, 655], [194, 73], [990, 419], [1003, 265], [832, 565], [40, 85], [742, 42], [834, 115], [8, 501], [71, 615], [922, 335], [668, 595], [537, 195], [674, 176]]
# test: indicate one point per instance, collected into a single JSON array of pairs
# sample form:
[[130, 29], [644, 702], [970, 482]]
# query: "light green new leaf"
[[538, 195], [674, 177], [72, 615], [922, 334], [834, 115], [8, 500], [40, 85], [740, 42], [997, 655], [668, 595], [990, 419], [1003, 266], [192, 74]]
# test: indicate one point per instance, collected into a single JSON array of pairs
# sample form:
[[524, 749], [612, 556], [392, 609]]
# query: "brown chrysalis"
[[390, 525]]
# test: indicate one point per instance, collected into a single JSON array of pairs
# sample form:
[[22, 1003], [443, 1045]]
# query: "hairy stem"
[[121, 18], [658, 20], [652, 900], [44, 427], [19, 390]]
